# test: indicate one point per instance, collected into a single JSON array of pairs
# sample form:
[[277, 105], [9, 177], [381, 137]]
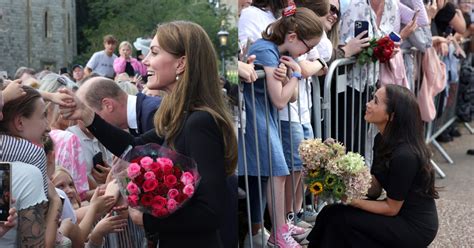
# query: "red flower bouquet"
[[156, 180], [381, 50]]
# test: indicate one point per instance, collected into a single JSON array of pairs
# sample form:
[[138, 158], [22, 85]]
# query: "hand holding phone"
[[98, 159], [5, 191], [361, 26]]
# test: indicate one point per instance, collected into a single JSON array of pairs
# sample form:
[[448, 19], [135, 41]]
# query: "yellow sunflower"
[[313, 173], [316, 188]]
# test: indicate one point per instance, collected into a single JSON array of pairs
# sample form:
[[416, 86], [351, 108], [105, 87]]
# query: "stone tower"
[[37, 33]]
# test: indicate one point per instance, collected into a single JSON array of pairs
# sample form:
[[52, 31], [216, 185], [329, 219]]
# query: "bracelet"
[[297, 75]]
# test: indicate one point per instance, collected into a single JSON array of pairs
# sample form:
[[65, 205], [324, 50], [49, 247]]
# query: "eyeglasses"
[[306, 45], [333, 10]]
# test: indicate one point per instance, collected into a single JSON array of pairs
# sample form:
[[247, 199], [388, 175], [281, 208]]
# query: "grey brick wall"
[[23, 38]]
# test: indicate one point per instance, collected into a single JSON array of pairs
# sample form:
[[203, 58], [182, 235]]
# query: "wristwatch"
[[322, 62], [297, 75]]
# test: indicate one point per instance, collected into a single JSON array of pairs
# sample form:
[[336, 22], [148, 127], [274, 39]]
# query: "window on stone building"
[[47, 25], [68, 29]]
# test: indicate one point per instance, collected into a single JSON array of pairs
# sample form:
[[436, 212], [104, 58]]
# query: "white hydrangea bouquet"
[[331, 173]]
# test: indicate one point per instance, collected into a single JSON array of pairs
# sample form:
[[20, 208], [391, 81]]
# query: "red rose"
[[180, 186], [161, 189], [160, 175], [159, 201], [136, 160], [170, 181], [167, 169], [139, 180], [147, 199], [177, 172], [181, 197], [155, 167], [150, 185], [159, 212]]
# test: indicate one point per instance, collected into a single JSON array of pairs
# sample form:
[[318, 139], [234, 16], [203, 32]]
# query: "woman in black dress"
[[194, 121], [407, 217]]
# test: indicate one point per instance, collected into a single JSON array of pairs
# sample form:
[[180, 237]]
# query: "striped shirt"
[[13, 149]]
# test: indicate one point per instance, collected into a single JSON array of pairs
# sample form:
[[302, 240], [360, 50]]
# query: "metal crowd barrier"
[[338, 107]]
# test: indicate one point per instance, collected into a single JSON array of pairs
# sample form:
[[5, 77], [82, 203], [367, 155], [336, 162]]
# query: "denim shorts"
[[299, 132]]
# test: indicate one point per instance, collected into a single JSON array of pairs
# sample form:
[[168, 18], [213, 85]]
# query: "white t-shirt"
[[27, 189], [102, 64], [68, 210], [325, 48], [302, 106], [253, 21]]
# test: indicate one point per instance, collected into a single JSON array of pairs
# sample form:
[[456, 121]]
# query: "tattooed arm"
[[31, 226], [53, 215]]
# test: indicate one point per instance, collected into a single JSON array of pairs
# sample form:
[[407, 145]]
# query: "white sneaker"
[[257, 239]]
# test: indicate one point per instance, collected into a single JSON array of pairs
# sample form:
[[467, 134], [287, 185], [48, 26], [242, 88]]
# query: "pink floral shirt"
[[68, 152]]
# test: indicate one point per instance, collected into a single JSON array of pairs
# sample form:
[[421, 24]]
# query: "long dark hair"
[[406, 126]]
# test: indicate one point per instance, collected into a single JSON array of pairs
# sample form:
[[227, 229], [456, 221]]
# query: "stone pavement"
[[456, 204]]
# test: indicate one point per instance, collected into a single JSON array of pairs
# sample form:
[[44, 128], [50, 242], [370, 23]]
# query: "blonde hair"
[[57, 172], [305, 23], [126, 43], [197, 88]]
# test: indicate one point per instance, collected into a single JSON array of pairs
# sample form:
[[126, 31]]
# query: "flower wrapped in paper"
[[332, 174], [156, 179]]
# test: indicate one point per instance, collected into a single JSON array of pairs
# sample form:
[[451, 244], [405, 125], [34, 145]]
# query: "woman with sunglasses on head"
[[296, 33], [407, 217]]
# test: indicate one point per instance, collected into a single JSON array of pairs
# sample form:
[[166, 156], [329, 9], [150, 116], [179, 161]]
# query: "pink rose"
[[159, 201], [164, 162], [173, 193], [150, 185], [146, 163], [133, 170], [132, 200], [172, 205], [133, 188], [187, 178], [149, 175], [188, 190], [170, 181]]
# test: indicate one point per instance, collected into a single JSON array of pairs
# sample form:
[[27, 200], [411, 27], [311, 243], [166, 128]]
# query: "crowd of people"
[[63, 134], [294, 42]]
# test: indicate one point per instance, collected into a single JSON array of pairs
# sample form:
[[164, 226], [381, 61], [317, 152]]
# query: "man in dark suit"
[[105, 97]]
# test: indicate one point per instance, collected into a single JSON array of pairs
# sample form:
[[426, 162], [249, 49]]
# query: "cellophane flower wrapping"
[[156, 179], [331, 173]]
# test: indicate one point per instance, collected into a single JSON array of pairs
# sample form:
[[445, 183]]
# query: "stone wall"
[[37, 33]]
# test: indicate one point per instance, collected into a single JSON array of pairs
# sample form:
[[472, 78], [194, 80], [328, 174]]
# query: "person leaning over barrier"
[[407, 217], [194, 121]]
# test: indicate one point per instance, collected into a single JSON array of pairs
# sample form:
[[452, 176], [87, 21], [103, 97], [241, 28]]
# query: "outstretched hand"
[[13, 91], [356, 44], [11, 220], [75, 110]]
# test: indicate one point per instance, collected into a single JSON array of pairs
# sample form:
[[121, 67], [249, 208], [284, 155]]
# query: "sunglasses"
[[306, 45], [334, 11]]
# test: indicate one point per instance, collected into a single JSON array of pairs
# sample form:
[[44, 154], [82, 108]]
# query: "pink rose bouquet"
[[155, 179]]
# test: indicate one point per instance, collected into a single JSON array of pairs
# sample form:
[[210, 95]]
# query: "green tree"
[[128, 20]]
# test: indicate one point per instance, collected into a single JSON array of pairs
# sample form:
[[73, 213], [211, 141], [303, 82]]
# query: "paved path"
[[456, 205]]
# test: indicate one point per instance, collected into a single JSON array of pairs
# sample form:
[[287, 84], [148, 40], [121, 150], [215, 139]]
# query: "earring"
[[177, 77]]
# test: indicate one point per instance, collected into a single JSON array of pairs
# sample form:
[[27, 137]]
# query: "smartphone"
[[98, 159], [5, 190], [394, 37], [361, 26]]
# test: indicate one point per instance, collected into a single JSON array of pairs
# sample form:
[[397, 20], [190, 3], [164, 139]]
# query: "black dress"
[[200, 222], [415, 225]]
